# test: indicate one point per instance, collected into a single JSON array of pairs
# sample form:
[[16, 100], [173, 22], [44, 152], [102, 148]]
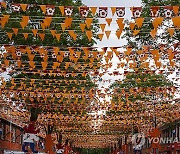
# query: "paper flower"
[[120, 12]]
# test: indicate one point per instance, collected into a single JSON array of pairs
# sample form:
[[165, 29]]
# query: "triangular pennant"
[[25, 19], [15, 30], [25, 35], [3, 3], [23, 7], [63, 26], [153, 33], [73, 34], [93, 10], [47, 21], [120, 23], [102, 26], [23, 24], [107, 34], [9, 35], [176, 10], [88, 22], [100, 36], [139, 22], [43, 8], [43, 26], [89, 34], [58, 36], [109, 20], [53, 32], [157, 22], [132, 25], [61, 8], [82, 26], [68, 22], [136, 32], [176, 21], [171, 31], [34, 32], [42, 36], [113, 10], [44, 65], [118, 33]]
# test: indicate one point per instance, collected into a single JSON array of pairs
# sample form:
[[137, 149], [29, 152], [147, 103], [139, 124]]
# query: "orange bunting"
[[34, 31], [120, 23], [82, 26], [42, 36], [58, 36], [153, 33], [176, 21], [53, 32], [102, 26], [100, 36], [25, 35], [9, 35], [107, 34], [88, 22], [61, 8], [73, 34], [132, 25], [118, 33], [113, 10], [139, 22], [93, 10], [68, 22], [109, 20], [89, 34], [136, 32], [15, 30], [23, 7], [43, 8], [171, 31]]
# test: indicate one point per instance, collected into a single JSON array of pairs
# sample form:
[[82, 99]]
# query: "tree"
[[54, 88]]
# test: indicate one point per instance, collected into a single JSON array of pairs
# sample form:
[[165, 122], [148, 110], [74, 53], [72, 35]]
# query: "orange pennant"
[[139, 22], [100, 36], [176, 21], [157, 22], [43, 8], [107, 34], [23, 7], [113, 10], [23, 24], [109, 20], [153, 33], [15, 30], [34, 32], [68, 22], [25, 35], [88, 22], [47, 21], [82, 26], [9, 35], [42, 36], [120, 23], [118, 33], [136, 32], [93, 10], [53, 32], [89, 34], [102, 27], [176, 10], [58, 36], [73, 34], [171, 31], [61, 8], [25, 19], [4, 4], [44, 65], [32, 64], [63, 27], [132, 25]]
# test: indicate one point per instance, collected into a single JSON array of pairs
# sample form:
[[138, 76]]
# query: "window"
[[13, 134]]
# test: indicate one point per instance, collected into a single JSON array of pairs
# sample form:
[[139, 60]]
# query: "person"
[[29, 137], [67, 147], [59, 147]]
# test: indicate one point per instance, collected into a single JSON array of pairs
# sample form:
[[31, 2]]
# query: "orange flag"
[[153, 33], [88, 22], [82, 26], [157, 22], [42, 36], [63, 27], [25, 35], [61, 8], [44, 65], [139, 22], [136, 32], [73, 34], [176, 21], [68, 22], [4, 4], [102, 27], [93, 10], [47, 21], [132, 25], [34, 32], [89, 34], [100, 36], [107, 34], [15, 30], [118, 33], [113, 10], [120, 23], [109, 20], [23, 7], [176, 10], [171, 31], [25, 19], [43, 8], [9, 35], [53, 32], [58, 36]]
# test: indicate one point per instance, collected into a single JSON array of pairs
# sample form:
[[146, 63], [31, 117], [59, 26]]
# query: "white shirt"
[[30, 138]]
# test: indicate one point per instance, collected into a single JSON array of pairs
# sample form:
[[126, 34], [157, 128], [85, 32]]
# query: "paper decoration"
[[102, 26], [50, 10], [176, 21], [43, 8], [42, 36], [109, 20], [120, 11], [139, 22], [171, 31], [82, 26], [84, 11], [16, 7], [34, 32], [93, 10], [23, 7], [68, 10], [89, 34], [61, 8], [136, 12], [15, 30], [107, 34], [88, 22], [103, 11], [155, 11]]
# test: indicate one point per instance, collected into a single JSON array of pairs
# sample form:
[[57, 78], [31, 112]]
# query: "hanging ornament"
[[68, 10], [16, 7], [136, 11], [50, 9], [155, 11], [103, 11], [168, 11], [84, 11], [120, 11]]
